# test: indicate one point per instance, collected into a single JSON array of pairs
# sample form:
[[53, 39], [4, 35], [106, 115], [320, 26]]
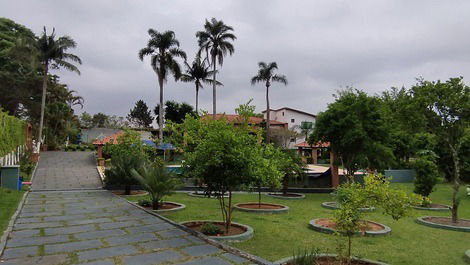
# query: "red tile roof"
[[112, 139], [317, 145], [237, 120]]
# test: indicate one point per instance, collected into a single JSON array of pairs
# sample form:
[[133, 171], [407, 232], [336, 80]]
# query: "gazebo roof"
[[112, 139]]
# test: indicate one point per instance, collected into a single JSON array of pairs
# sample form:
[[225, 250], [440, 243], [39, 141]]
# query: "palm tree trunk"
[[197, 96], [214, 106], [268, 115], [43, 101], [160, 110]]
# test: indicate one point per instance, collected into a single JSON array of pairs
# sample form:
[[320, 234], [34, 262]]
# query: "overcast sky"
[[320, 46]]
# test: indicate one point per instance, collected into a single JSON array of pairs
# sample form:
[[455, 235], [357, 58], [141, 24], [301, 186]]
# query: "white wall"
[[285, 115]]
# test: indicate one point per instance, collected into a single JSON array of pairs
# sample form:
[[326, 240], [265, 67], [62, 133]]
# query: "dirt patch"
[[291, 195], [133, 192], [164, 206], [234, 229], [448, 221], [266, 206], [366, 226], [436, 205], [334, 261]]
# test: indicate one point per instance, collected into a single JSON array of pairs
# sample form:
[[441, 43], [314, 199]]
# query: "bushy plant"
[[291, 165], [26, 166], [427, 173], [120, 171], [145, 203], [305, 257], [210, 229], [12, 133]]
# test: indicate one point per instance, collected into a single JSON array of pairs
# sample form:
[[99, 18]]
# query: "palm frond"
[[280, 79]]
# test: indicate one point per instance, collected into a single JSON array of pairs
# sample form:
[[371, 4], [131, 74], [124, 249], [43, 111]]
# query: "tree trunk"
[[285, 184], [456, 185], [268, 114], [197, 96], [127, 189], [155, 205], [160, 110], [43, 102], [214, 85], [259, 196]]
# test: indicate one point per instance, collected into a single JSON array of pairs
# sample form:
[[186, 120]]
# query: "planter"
[[134, 193], [265, 207], [329, 257], [434, 207], [334, 206], [288, 196], [245, 232], [325, 225], [203, 195], [166, 207], [443, 222]]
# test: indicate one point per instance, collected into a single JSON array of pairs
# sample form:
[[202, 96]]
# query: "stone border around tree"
[[282, 261], [235, 238], [274, 195], [420, 220], [285, 208], [385, 231], [467, 255], [328, 205], [191, 193], [179, 208], [131, 195], [433, 209]]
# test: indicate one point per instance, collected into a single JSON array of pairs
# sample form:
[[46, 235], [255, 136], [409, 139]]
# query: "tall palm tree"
[[198, 73], [53, 54], [215, 40], [266, 75], [163, 48]]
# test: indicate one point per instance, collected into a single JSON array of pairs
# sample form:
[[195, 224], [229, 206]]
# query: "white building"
[[294, 119]]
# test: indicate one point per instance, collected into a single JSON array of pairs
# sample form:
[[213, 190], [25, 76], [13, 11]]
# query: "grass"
[[280, 235], [9, 200]]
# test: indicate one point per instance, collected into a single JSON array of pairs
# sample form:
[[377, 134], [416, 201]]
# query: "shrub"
[[210, 229], [26, 166], [427, 173], [305, 257], [120, 171], [145, 203], [12, 133]]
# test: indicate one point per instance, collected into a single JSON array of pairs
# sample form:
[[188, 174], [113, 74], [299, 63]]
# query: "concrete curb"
[[282, 261], [132, 195], [433, 209], [274, 195], [467, 255], [229, 249], [333, 206], [285, 208], [420, 220], [385, 231], [11, 224], [191, 193], [180, 207], [235, 238]]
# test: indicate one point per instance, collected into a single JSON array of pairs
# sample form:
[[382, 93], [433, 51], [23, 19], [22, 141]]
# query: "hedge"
[[12, 133]]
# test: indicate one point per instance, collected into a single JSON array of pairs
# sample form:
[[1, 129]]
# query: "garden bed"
[[166, 207], [133, 192], [327, 225], [334, 206], [328, 259], [204, 195], [261, 208], [237, 232], [443, 222], [287, 196], [433, 207]]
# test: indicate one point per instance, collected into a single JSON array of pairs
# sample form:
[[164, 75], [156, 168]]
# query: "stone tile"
[[69, 230], [11, 253], [234, 258], [37, 225], [207, 261], [107, 252], [40, 260], [100, 234], [201, 250], [88, 221], [168, 243], [28, 220], [129, 239], [72, 246], [19, 242], [64, 218], [153, 258], [150, 228], [119, 224], [40, 214], [99, 262], [24, 233], [172, 233]]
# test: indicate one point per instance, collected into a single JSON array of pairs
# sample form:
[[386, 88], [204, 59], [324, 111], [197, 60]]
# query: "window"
[[292, 120], [283, 113], [292, 140]]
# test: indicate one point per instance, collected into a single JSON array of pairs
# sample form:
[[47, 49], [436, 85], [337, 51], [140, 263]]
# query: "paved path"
[[99, 228]]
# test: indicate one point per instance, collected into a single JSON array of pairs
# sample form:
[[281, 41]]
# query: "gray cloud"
[[320, 45]]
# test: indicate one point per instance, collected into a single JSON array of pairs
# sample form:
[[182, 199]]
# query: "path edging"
[[265, 211], [275, 195], [235, 238], [385, 231], [11, 224], [284, 260], [420, 220]]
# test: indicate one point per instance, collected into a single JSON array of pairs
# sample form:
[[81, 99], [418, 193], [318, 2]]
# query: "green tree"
[[174, 111], [163, 48], [427, 174], [448, 116], [215, 40], [53, 55], [122, 165], [198, 73], [267, 76], [140, 115], [100, 120], [86, 120]]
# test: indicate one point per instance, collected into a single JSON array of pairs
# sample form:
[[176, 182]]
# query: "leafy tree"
[[122, 165], [215, 40], [53, 54], [140, 115], [266, 75], [174, 111], [100, 120], [448, 116], [427, 174], [198, 73], [291, 165], [86, 120], [163, 48], [357, 132]]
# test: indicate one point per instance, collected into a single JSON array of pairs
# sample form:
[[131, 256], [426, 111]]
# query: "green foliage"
[[291, 165], [140, 115], [120, 171], [427, 173], [210, 229], [145, 203], [12, 133], [26, 166], [158, 181], [174, 111], [305, 257]]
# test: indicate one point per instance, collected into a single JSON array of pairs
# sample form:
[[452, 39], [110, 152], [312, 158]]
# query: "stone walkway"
[[99, 228]]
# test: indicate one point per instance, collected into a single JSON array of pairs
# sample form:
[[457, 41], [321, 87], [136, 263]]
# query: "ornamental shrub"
[[12, 133], [210, 229], [427, 173]]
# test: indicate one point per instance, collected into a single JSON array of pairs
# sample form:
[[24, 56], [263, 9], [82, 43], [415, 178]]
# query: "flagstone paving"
[[96, 227]]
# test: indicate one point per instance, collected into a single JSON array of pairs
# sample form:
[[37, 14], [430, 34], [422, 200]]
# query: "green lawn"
[[277, 236], [9, 200]]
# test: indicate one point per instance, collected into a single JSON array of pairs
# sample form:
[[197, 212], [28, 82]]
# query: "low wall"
[[400, 175]]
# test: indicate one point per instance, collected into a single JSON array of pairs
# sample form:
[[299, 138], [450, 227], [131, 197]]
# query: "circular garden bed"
[[287, 196], [133, 193], [237, 232], [199, 194], [165, 207], [334, 206], [445, 223], [327, 259], [433, 207], [261, 208], [327, 225], [467, 255]]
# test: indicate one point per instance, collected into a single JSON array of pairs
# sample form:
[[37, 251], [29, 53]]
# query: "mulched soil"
[[369, 226], [333, 261], [133, 192], [286, 195], [267, 206], [164, 206], [436, 205], [448, 221], [234, 229]]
